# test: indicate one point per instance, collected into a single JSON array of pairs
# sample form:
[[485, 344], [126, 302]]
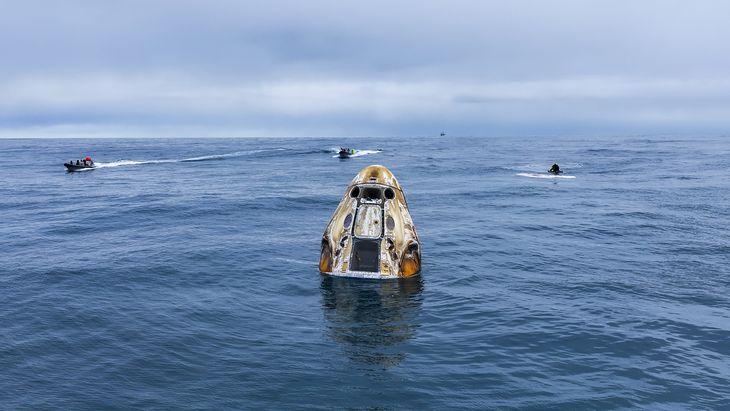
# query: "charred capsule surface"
[[371, 234]]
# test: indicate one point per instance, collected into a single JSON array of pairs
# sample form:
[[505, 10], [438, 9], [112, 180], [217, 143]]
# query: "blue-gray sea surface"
[[182, 274]]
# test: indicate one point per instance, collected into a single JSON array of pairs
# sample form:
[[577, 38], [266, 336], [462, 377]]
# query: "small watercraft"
[[346, 152], [78, 165], [555, 169]]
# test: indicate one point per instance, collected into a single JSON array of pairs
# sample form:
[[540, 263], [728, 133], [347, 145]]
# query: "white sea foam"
[[121, 163], [535, 175], [227, 155]]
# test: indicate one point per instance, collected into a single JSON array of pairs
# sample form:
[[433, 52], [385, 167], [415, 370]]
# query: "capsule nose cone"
[[376, 174]]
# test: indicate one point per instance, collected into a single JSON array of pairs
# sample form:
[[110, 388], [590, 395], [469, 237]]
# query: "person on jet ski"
[[555, 169]]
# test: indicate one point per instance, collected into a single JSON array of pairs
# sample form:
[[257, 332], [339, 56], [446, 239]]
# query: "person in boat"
[[555, 169], [84, 162]]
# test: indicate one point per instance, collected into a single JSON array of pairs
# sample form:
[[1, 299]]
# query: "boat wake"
[[122, 163], [536, 175]]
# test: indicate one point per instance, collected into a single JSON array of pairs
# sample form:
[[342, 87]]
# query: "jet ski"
[[346, 152], [555, 169], [78, 165]]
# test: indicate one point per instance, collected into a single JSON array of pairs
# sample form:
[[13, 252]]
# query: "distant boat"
[[79, 164], [443, 134], [346, 152]]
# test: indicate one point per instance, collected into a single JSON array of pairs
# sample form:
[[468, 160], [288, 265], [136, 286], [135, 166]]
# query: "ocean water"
[[182, 274]]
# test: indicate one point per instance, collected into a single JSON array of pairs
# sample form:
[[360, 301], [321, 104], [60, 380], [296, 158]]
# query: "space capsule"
[[371, 234]]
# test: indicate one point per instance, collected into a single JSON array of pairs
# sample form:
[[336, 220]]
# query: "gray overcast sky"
[[357, 68]]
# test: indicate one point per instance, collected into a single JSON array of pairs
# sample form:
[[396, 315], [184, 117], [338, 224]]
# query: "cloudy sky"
[[362, 68]]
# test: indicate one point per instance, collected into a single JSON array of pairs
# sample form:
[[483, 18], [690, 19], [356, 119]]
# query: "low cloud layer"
[[285, 68]]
